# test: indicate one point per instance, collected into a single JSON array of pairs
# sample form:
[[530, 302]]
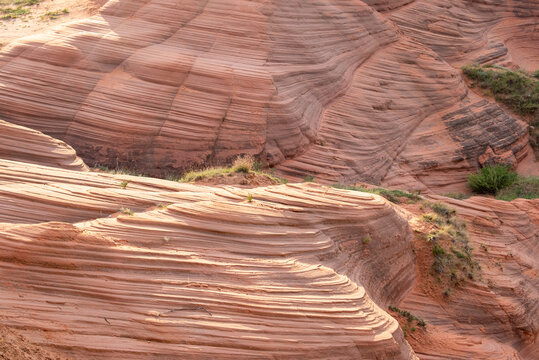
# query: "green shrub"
[[491, 179], [437, 250]]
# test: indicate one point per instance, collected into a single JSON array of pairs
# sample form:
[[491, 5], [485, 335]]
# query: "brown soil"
[[14, 346]]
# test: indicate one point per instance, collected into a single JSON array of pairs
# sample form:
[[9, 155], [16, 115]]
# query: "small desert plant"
[[491, 179], [124, 183], [249, 197], [127, 211], [118, 171], [409, 316], [442, 210], [244, 164], [52, 15], [437, 250], [458, 196], [308, 178], [366, 240]]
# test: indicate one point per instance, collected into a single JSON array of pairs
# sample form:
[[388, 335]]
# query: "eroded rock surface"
[[494, 317], [342, 91], [208, 275], [18, 143]]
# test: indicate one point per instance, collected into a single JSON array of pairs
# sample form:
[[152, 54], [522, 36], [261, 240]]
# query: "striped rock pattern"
[[209, 275], [496, 317], [340, 90], [18, 143]]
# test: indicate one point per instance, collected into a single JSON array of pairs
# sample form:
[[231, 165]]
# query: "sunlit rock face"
[[205, 274], [340, 90]]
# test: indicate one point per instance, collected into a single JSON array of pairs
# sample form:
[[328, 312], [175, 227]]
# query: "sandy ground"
[[36, 21], [15, 347]]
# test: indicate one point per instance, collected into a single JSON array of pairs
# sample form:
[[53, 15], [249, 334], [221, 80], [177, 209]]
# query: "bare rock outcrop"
[[18, 143], [342, 91], [160, 85], [208, 275], [487, 31]]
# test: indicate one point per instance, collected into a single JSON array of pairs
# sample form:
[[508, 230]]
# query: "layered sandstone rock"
[[160, 85], [490, 31], [330, 89], [18, 143], [208, 275], [99, 265], [495, 316]]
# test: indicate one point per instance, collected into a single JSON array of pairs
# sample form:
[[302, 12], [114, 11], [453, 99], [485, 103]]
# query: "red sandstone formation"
[[496, 316], [18, 143], [338, 90], [209, 275], [96, 265], [201, 272]]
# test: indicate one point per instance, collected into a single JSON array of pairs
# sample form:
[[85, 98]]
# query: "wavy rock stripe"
[[502, 32], [18, 143], [377, 132], [182, 83], [494, 317], [330, 89], [32, 193], [217, 277]]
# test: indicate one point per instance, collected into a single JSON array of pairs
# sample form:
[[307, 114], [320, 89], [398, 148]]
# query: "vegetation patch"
[[411, 318], [507, 185], [409, 323], [118, 171], [127, 211], [52, 15], [491, 179], [523, 187], [12, 9], [517, 89], [243, 164], [395, 196], [452, 255], [458, 196]]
